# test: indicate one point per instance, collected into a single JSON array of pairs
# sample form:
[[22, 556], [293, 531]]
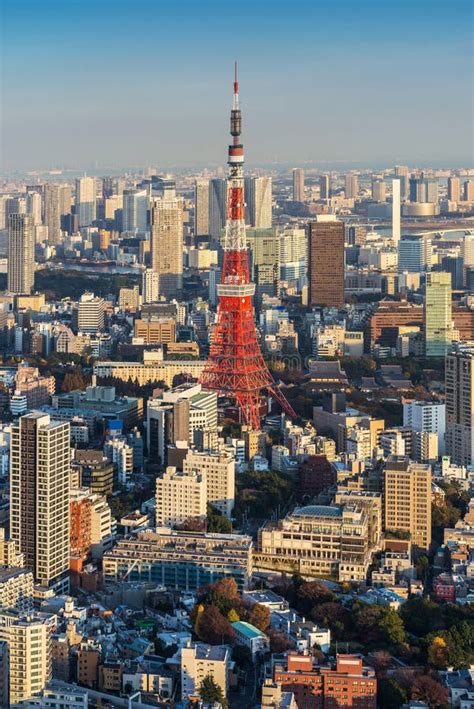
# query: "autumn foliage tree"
[[212, 627]]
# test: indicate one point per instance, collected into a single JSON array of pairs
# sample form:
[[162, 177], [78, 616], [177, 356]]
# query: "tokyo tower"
[[235, 367]]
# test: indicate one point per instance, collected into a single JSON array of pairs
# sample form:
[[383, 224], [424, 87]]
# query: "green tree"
[[390, 694], [210, 691]]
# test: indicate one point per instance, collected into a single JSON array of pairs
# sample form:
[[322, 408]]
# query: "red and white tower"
[[235, 366]]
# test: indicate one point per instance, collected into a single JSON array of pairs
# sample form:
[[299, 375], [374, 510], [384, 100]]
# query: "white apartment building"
[[428, 416], [90, 313], [180, 496], [16, 589], [200, 660], [219, 470], [29, 645]]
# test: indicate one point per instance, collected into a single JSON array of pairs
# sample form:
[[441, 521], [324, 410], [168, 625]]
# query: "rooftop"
[[318, 511], [250, 631]]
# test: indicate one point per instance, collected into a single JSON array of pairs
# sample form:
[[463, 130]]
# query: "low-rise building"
[[180, 560], [251, 637], [200, 660]]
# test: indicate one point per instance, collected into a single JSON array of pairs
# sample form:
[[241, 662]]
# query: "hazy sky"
[[137, 82]]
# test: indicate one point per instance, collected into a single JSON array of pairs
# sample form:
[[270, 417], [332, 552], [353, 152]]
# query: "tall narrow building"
[[407, 499], [454, 189], [21, 254], [201, 207], [217, 208], [135, 210], [258, 196], [39, 497], [438, 315], [351, 189], [298, 184], [167, 243], [57, 204], [396, 210], [86, 200], [324, 187], [326, 262], [402, 172], [459, 384]]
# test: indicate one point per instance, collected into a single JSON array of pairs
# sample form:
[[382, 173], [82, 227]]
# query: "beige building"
[[407, 499], [180, 496], [39, 497], [332, 540], [153, 369], [459, 382], [167, 243], [156, 331], [219, 470], [201, 207], [129, 299], [29, 646], [21, 254], [199, 661], [150, 286], [298, 184], [8, 553]]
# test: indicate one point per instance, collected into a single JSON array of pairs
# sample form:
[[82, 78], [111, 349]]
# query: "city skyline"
[[136, 86]]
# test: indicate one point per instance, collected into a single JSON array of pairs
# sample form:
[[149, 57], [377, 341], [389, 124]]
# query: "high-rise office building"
[[21, 253], [201, 207], [438, 315], [454, 189], [298, 184], [396, 210], [424, 189], [454, 265], [351, 189], [39, 497], [426, 417], [34, 204], [407, 499], [258, 196], [57, 204], [86, 200], [379, 192], [90, 313], [459, 385], [324, 187], [29, 653], [167, 243], [414, 254], [293, 255], [135, 210], [217, 207], [401, 171], [264, 261], [468, 191], [326, 262]]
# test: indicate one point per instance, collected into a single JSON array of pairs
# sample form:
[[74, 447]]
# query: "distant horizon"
[[116, 82]]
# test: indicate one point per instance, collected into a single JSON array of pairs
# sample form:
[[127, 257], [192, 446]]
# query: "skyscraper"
[[401, 171], [414, 254], [258, 195], [438, 327], [293, 255], [217, 207], [167, 243], [34, 206], [57, 203], [135, 206], [298, 184], [264, 247], [39, 497], [201, 207], [454, 189], [378, 189], [396, 210], [86, 201], [351, 189], [459, 384], [424, 189], [326, 262], [21, 253], [324, 187], [468, 193]]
